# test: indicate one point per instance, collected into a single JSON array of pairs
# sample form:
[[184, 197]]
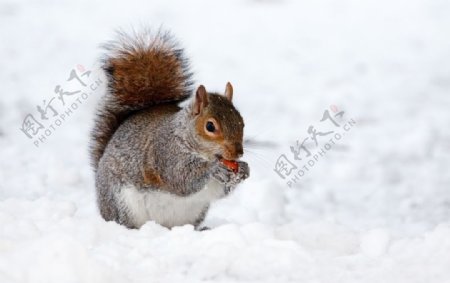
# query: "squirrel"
[[156, 158]]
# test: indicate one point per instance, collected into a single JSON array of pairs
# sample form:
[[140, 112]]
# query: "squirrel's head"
[[218, 125]]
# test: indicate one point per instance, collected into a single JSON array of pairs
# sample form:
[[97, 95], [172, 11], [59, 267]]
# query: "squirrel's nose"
[[238, 149], [233, 151]]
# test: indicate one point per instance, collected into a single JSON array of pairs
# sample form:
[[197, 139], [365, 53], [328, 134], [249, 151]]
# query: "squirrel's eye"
[[210, 127]]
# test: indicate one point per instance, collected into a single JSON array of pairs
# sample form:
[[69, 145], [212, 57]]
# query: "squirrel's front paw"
[[221, 173], [229, 178], [242, 173]]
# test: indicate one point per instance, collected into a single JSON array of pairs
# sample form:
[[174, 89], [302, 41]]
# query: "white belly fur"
[[165, 208]]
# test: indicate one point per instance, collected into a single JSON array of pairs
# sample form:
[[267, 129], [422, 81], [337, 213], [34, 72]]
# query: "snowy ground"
[[375, 208]]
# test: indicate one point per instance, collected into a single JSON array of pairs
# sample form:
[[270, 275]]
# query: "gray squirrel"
[[155, 160]]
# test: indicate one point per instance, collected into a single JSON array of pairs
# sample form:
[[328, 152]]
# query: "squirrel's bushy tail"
[[143, 69]]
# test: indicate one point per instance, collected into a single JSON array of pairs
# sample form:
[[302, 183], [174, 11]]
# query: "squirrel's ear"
[[201, 100], [229, 92]]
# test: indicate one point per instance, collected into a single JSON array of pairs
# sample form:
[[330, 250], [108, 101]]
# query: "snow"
[[374, 208], [374, 243]]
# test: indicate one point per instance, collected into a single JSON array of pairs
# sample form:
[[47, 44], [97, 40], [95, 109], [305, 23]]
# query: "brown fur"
[[231, 126], [151, 177], [147, 70], [143, 70]]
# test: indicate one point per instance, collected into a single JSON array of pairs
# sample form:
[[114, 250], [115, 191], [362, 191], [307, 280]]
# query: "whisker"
[[253, 143], [261, 159]]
